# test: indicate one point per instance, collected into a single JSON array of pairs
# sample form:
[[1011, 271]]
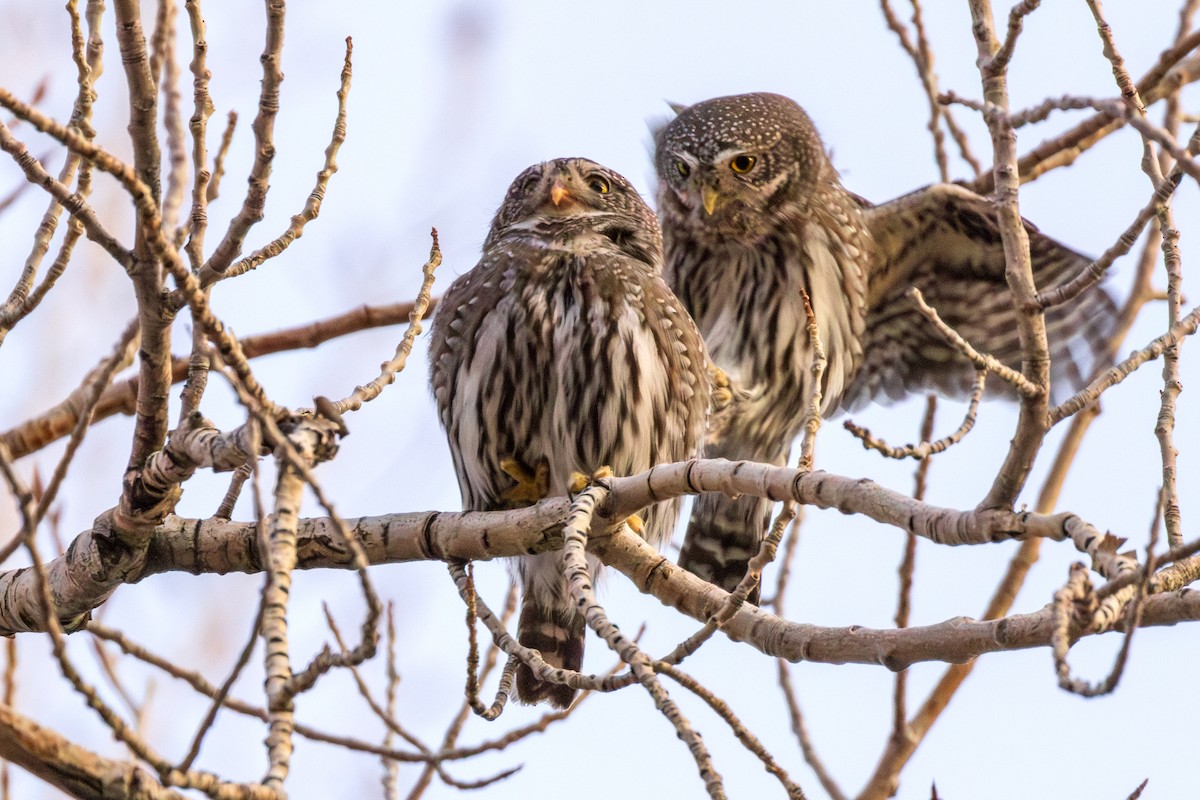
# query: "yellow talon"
[[720, 387], [725, 402], [579, 482], [530, 486]]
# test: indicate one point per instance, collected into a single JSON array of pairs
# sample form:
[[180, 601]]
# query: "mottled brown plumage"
[[752, 211], [564, 348]]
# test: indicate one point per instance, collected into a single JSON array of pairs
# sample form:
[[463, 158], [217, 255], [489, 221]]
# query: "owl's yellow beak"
[[708, 196], [558, 191]]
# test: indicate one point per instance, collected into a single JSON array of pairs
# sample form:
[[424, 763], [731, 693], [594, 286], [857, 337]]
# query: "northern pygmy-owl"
[[564, 348], [752, 211]]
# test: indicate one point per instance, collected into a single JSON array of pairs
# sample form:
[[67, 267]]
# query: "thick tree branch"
[[88, 572], [73, 769]]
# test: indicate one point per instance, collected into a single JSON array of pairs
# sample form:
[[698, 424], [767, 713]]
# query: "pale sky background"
[[450, 100]]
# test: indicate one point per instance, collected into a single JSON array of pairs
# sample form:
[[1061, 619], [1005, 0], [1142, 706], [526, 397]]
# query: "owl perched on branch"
[[563, 351], [752, 212]]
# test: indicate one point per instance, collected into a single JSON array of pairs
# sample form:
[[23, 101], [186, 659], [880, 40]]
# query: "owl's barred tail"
[[558, 635], [722, 536]]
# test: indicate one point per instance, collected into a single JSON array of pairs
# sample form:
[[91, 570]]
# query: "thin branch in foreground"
[[120, 398], [505, 641], [1119, 372], [236, 481], [1176, 66], [454, 729], [280, 550], [1164, 427], [575, 535], [389, 369], [1133, 618], [905, 572], [251, 211], [218, 171], [1095, 272], [812, 421], [218, 698], [312, 207], [391, 769], [785, 565], [504, 691], [1016, 21], [393, 725], [743, 734], [165, 37], [1136, 793], [800, 729], [925, 448], [981, 361], [196, 224]]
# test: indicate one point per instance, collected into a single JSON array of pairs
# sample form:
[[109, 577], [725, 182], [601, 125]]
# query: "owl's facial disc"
[[570, 191], [719, 185]]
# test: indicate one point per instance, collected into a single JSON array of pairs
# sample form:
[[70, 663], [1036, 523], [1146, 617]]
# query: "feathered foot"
[[579, 482], [530, 487]]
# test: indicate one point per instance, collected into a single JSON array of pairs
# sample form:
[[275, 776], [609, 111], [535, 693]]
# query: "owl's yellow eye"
[[598, 184], [684, 169], [742, 163]]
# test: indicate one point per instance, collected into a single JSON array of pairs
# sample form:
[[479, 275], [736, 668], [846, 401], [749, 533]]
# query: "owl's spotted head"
[[566, 198], [727, 166]]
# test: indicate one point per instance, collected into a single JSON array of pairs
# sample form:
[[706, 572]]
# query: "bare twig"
[[800, 729], [1111, 377], [905, 573], [218, 697], [251, 211], [748, 739], [389, 369], [312, 208], [1175, 67], [394, 726], [925, 448], [202, 109], [579, 520], [120, 398]]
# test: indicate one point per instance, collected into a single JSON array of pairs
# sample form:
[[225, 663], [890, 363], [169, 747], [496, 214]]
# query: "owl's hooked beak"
[[708, 196], [558, 191]]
